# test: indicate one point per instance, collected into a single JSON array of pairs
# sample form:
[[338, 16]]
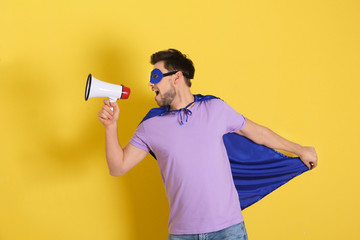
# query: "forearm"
[[113, 150], [264, 136], [272, 140]]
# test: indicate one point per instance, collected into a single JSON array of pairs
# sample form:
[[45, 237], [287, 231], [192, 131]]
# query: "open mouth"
[[156, 92]]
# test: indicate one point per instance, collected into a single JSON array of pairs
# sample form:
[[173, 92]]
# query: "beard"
[[167, 97]]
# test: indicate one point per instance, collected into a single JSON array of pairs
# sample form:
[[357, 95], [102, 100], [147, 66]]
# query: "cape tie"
[[183, 113]]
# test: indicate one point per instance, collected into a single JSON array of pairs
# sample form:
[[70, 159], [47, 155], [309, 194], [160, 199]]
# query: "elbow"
[[116, 167], [117, 172]]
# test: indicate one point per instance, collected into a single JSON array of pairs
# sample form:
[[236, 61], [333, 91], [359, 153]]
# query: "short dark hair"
[[174, 60]]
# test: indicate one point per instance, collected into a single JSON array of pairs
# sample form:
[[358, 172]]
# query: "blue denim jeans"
[[235, 232]]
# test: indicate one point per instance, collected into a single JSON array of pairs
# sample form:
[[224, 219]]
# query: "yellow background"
[[292, 66]]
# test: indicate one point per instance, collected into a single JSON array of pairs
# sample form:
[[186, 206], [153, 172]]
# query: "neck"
[[182, 99]]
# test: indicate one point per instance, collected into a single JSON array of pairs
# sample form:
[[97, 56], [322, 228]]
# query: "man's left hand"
[[309, 157]]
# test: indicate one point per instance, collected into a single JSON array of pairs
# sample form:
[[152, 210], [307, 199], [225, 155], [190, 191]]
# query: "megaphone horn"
[[97, 88]]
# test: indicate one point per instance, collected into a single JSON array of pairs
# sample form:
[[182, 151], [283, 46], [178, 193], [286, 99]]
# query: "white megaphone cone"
[[97, 88]]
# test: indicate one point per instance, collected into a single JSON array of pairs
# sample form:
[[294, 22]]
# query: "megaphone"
[[97, 88]]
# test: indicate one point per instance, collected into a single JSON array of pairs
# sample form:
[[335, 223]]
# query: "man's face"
[[165, 89]]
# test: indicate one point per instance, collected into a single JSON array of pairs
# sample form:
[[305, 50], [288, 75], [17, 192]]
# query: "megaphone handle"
[[112, 100]]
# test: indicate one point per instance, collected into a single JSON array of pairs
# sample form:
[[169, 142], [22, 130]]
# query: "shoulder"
[[154, 112], [218, 105], [207, 99], [214, 105], [213, 102]]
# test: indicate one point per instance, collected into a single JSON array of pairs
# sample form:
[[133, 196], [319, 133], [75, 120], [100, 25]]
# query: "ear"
[[178, 77]]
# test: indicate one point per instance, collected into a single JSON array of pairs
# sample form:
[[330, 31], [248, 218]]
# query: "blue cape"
[[256, 169]]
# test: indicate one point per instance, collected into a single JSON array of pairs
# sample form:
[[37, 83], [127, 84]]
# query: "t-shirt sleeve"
[[139, 139], [234, 121]]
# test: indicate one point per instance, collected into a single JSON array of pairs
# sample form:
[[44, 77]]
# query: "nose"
[[151, 84]]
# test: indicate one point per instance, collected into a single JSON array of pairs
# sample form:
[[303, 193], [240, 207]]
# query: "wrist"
[[111, 127], [300, 150]]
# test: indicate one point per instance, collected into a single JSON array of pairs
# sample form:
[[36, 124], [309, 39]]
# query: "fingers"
[[103, 115], [311, 165], [309, 157], [109, 113], [106, 113], [107, 102], [308, 165], [314, 163], [112, 105], [115, 108]]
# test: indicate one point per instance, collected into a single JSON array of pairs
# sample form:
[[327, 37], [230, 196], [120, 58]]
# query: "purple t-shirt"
[[194, 165]]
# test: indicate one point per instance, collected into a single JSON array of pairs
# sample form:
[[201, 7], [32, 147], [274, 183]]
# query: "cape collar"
[[183, 112]]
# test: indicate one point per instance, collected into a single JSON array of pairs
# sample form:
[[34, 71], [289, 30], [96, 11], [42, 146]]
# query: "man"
[[186, 138]]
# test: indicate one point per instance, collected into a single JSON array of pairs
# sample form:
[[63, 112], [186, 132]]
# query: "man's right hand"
[[107, 116]]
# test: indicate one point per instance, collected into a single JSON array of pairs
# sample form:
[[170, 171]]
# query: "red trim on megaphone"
[[125, 92]]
